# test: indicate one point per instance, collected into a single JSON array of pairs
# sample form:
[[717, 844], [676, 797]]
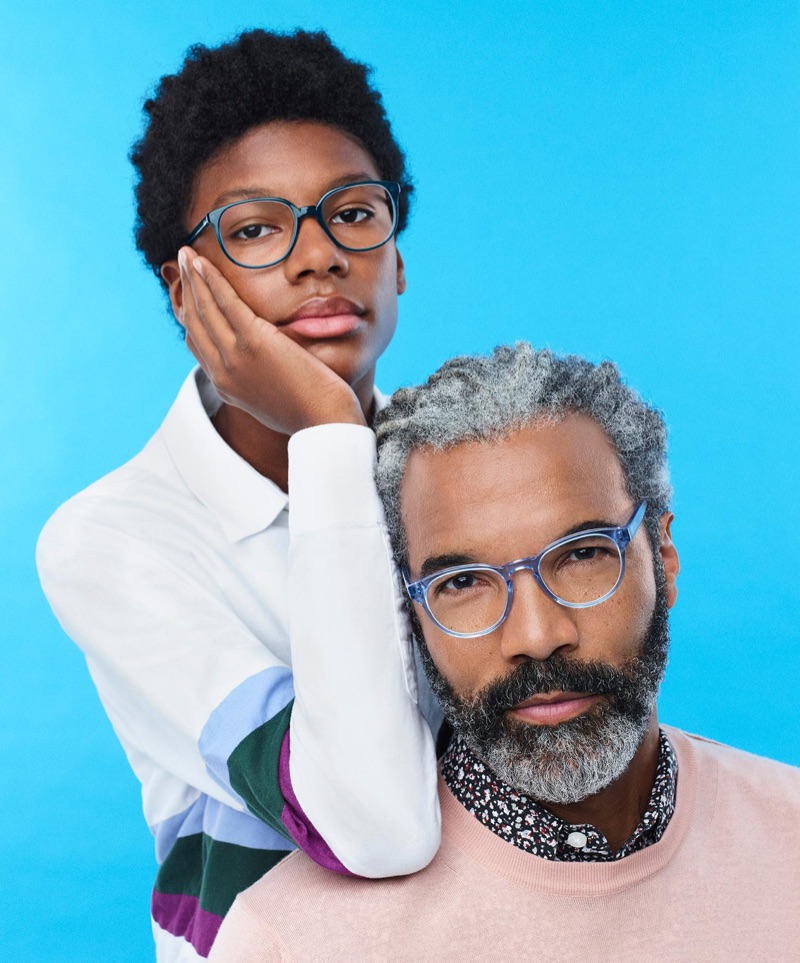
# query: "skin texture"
[[513, 497], [274, 380]]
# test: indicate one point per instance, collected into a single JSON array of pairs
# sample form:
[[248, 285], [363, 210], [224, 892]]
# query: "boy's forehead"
[[275, 158]]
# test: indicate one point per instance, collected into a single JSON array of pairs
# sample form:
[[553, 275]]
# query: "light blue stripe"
[[219, 822], [168, 830], [251, 704], [226, 825]]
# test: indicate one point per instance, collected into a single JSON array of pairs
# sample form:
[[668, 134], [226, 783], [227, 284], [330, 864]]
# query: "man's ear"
[[171, 274], [669, 557], [401, 273]]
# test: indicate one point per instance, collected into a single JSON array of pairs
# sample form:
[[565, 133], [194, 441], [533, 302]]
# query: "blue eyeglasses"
[[262, 231], [577, 571]]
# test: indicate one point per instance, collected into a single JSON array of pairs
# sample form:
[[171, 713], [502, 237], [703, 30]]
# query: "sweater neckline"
[[465, 838]]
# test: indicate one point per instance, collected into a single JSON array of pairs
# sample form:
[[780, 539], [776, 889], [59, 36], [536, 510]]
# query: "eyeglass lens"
[[473, 600], [259, 233]]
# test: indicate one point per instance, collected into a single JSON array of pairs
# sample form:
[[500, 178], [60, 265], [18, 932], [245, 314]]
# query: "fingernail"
[[198, 266], [182, 259]]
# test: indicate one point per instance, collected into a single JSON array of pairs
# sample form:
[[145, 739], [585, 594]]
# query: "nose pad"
[[536, 626]]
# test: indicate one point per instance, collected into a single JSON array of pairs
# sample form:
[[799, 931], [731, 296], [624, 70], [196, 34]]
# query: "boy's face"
[[300, 161]]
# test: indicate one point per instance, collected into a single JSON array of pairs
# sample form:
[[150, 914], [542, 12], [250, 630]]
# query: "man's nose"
[[314, 253], [536, 625]]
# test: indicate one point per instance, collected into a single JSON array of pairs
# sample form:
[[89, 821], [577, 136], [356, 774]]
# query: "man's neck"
[[616, 810], [267, 450]]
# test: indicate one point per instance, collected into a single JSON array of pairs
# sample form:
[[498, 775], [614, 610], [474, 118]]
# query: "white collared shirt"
[[204, 607]]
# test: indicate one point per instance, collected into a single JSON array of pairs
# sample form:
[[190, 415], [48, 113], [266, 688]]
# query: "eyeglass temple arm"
[[198, 230], [414, 589], [627, 533]]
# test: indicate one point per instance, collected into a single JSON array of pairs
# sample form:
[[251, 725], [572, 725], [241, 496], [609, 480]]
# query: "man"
[[250, 688], [528, 500]]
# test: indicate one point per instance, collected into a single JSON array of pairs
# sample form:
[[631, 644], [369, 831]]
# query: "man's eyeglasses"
[[577, 571], [262, 231]]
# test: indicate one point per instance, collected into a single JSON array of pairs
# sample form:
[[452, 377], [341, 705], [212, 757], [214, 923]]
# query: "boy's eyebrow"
[[248, 193], [353, 178]]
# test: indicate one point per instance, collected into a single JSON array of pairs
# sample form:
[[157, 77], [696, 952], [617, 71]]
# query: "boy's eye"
[[351, 215], [251, 232]]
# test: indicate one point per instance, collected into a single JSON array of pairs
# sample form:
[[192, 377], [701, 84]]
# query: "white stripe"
[[174, 949]]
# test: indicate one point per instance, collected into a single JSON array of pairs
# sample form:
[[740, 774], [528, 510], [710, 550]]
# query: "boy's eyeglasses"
[[262, 231]]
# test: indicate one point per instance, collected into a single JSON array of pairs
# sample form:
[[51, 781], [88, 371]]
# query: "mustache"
[[558, 673]]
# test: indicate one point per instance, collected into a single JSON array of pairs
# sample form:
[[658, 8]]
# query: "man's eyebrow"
[[436, 563], [248, 193], [589, 525]]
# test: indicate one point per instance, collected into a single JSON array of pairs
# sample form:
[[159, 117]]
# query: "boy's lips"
[[325, 318], [552, 708]]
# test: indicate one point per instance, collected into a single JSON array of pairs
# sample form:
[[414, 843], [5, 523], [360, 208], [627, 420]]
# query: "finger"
[[193, 319], [198, 354], [241, 319]]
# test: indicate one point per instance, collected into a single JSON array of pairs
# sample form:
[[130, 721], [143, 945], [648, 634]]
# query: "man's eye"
[[462, 582], [351, 215], [584, 556]]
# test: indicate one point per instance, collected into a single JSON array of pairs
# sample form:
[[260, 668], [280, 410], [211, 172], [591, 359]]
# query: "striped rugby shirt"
[[238, 651]]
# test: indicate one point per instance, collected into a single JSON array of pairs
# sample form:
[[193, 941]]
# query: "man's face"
[[555, 700], [300, 161]]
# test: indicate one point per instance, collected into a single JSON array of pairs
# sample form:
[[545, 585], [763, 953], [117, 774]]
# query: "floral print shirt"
[[525, 823]]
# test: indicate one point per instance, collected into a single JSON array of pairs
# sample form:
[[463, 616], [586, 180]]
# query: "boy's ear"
[[171, 274], [401, 274]]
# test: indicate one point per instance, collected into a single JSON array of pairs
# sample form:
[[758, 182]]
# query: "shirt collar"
[[244, 501]]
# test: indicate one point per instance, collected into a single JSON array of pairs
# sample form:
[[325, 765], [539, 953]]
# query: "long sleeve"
[[362, 762], [185, 634]]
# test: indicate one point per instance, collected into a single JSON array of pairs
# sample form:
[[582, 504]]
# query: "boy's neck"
[[267, 450]]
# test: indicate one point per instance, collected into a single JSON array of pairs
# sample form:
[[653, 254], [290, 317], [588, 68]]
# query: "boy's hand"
[[251, 363]]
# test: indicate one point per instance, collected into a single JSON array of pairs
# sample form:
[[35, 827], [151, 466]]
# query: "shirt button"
[[577, 840]]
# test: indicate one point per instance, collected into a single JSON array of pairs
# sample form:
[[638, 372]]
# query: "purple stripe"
[[182, 916], [298, 825]]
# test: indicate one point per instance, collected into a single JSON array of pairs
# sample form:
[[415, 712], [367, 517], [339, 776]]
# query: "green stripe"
[[213, 871], [253, 770]]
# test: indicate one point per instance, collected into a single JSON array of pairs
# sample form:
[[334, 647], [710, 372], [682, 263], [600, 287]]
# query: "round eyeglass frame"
[[621, 536], [213, 218]]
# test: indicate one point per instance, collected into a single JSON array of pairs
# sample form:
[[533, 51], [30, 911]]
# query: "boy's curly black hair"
[[219, 94]]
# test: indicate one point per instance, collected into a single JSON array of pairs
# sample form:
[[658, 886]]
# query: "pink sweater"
[[722, 885]]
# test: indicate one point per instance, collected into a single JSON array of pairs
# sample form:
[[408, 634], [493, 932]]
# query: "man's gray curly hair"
[[475, 398]]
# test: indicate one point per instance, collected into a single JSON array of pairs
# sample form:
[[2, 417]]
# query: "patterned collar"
[[524, 823]]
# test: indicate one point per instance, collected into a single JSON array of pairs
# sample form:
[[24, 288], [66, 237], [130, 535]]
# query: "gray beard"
[[568, 762]]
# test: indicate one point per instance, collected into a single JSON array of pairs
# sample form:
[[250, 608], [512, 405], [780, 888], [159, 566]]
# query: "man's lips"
[[552, 708], [325, 318]]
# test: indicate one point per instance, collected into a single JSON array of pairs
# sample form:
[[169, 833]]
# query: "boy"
[[253, 663]]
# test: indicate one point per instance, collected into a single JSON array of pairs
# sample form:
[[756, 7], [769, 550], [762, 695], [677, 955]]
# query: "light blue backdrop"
[[616, 179]]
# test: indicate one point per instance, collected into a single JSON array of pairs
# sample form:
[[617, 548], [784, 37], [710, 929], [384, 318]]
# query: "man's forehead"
[[539, 481]]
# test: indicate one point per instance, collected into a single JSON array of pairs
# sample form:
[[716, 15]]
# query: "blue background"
[[616, 179]]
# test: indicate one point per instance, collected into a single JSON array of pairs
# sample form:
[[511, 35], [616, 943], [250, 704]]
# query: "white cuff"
[[331, 483]]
